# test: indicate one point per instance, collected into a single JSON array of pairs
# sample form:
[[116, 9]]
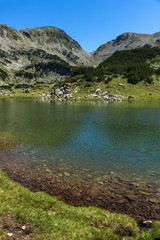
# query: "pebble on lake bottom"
[[10, 234]]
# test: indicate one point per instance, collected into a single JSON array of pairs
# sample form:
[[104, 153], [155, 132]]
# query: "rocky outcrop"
[[66, 93], [63, 92], [105, 96]]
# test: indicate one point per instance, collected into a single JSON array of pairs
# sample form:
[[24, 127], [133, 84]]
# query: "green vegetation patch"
[[3, 74], [24, 74], [135, 65]]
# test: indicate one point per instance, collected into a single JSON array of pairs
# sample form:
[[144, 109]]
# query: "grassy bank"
[[28, 215], [83, 90]]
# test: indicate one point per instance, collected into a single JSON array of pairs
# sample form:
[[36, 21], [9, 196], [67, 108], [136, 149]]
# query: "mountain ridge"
[[125, 41], [47, 54]]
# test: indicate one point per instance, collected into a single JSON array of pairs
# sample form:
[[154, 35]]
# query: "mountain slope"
[[50, 39], [48, 54], [37, 55], [125, 41]]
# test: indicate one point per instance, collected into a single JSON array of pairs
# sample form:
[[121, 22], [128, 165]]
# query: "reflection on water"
[[120, 137]]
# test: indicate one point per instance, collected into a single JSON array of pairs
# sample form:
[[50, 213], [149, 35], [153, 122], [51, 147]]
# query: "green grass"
[[32, 94], [50, 218], [140, 91]]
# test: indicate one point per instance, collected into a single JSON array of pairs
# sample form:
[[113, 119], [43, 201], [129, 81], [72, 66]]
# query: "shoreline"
[[108, 192], [28, 215], [136, 99], [49, 95]]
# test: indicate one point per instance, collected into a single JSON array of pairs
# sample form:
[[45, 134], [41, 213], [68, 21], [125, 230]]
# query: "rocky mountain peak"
[[50, 35], [50, 39], [8, 32], [125, 41]]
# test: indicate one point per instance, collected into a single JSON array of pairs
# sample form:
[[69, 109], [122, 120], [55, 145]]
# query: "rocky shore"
[[66, 92], [109, 191]]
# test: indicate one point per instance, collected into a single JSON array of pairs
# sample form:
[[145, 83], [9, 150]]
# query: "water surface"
[[85, 141]]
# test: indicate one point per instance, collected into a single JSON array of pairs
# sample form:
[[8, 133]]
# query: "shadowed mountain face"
[[47, 54]]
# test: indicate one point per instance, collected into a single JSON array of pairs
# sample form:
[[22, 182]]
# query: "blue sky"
[[90, 22]]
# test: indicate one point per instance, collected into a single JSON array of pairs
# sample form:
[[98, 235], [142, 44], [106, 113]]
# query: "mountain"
[[48, 54], [49, 39], [43, 54], [125, 41]]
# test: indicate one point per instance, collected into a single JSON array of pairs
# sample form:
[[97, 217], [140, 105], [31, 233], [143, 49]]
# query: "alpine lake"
[[85, 153]]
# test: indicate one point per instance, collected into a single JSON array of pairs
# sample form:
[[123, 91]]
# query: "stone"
[[129, 97], [131, 197], [106, 97], [121, 84], [89, 176], [66, 174], [67, 85], [94, 95], [152, 200], [147, 224], [105, 93], [67, 91], [5, 92], [95, 191], [10, 234], [26, 90], [88, 199], [68, 96], [101, 183], [98, 91], [57, 92]]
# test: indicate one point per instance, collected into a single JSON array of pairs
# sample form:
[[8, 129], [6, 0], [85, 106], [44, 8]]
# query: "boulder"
[[94, 95], [106, 97], [67, 91], [57, 92], [105, 93], [67, 85], [68, 96], [121, 84], [5, 92], [98, 91]]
